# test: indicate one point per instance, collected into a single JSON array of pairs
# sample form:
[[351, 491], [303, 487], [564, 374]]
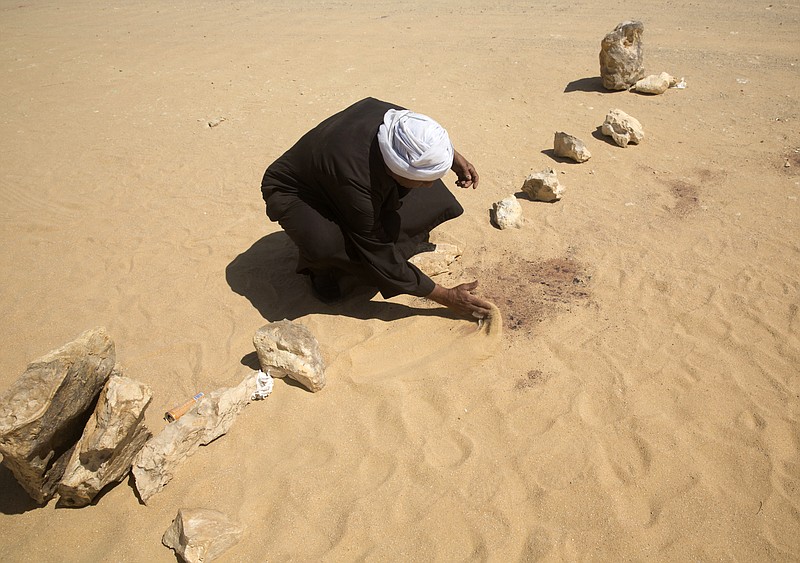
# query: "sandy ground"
[[643, 402]]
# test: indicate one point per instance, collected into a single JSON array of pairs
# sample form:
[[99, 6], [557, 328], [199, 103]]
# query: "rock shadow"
[[13, 498], [522, 195], [560, 159], [598, 134], [265, 275], [588, 84]]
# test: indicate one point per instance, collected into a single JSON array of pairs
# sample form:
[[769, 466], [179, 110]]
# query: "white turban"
[[414, 146]]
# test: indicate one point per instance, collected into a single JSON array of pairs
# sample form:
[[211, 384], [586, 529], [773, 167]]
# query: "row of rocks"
[[539, 186], [545, 186], [621, 127], [73, 423], [621, 68], [285, 349]]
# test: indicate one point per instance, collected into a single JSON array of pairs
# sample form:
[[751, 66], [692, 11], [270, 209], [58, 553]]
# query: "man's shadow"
[[265, 275]]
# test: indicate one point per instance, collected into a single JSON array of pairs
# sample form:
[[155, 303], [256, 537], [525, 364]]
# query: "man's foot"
[[325, 287]]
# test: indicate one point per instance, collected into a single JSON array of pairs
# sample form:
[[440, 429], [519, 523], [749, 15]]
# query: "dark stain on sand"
[[791, 158], [534, 378], [529, 292], [687, 198]]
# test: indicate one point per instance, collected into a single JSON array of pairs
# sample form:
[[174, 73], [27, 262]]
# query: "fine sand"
[[641, 401]]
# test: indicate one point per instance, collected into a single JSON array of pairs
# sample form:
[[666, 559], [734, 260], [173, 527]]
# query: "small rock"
[[622, 128], [42, 415], [655, 83], [543, 186], [290, 350], [113, 436], [567, 146], [507, 213], [214, 122], [436, 260], [156, 463], [621, 56], [199, 534]]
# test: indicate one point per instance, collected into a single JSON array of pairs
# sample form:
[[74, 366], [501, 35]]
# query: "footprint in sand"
[[623, 464], [448, 451]]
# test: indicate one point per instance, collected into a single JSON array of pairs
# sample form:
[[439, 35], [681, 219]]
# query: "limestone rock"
[[289, 349], [507, 213], [621, 56], [622, 128], [43, 413], [113, 436], [200, 534], [155, 464], [543, 186], [655, 83], [436, 260], [567, 146]]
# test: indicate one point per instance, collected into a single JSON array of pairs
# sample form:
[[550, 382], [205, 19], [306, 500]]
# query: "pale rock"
[[507, 213], [113, 436], [543, 186], [623, 128], [199, 534], [655, 83], [621, 56], [436, 260], [289, 349], [42, 415], [567, 146], [213, 415]]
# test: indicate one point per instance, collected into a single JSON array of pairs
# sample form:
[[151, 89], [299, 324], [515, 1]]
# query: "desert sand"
[[642, 402]]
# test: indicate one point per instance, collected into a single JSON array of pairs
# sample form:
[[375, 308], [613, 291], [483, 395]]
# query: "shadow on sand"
[[598, 134], [560, 159], [13, 498], [265, 275], [588, 84]]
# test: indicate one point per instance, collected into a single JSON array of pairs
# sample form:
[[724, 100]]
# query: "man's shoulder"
[[376, 104]]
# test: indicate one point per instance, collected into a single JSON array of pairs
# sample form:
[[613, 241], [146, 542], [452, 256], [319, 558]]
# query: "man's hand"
[[467, 175], [461, 300]]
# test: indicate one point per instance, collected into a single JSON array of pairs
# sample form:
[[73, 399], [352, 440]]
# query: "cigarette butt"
[[174, 414]]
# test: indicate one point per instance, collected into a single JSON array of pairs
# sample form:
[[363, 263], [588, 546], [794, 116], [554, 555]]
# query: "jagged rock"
[[622, 128], [543, 186], [200, 534], [655, 83], [567, 146], [113, 436], [621, 56], [507, 213], [43, 413], [289, 349], [156, 463], [436, 260]]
